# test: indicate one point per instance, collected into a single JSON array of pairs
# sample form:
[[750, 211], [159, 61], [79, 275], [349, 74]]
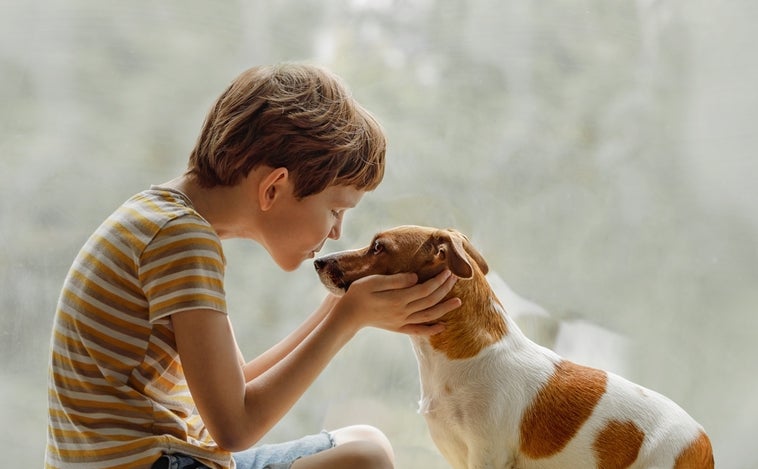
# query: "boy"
[[145, 370]]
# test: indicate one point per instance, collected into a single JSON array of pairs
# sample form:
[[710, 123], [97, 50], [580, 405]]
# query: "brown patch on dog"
[[618, 444], [698, 455], [476, 324], [560, 408]]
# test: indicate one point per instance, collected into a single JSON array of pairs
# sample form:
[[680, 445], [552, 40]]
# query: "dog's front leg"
[[482, 463], [489, 457]]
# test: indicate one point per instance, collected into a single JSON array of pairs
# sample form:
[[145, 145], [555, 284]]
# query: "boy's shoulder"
[[162, 205], [153, 214]]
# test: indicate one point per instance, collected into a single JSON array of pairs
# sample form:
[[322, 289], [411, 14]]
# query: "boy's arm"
[[238, 413], [273, 355]]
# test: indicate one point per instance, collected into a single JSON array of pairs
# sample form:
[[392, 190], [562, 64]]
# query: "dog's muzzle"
[[331, 275]]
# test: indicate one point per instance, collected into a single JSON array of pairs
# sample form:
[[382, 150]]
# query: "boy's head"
[[295, 116]]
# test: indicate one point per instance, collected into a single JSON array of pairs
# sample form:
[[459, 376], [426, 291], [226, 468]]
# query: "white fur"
[[473, 408]]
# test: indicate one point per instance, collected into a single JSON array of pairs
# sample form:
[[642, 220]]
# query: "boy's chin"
[[292, 263], [289, 265], [291, 268]]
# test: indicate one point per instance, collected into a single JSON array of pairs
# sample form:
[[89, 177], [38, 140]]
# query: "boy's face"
[[295, 230]]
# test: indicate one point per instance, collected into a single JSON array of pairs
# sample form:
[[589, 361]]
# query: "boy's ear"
[[271, 186]]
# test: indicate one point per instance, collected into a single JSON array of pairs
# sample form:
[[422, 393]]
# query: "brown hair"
[[296, 116]]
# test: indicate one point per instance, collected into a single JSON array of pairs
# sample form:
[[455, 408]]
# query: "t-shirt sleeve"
[[182, 268]]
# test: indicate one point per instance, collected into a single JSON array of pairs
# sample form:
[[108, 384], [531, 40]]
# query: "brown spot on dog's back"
[[698, 455], [560, 409], [618, 444]]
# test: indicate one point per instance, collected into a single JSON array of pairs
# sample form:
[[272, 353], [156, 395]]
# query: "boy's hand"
[[397, 303]]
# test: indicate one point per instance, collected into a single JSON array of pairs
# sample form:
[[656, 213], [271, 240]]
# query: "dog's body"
[[494, 399]]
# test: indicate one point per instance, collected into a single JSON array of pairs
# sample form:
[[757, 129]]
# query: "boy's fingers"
[[435, 282], [423, 329], [435, 296], [392, 282], [432, 314]]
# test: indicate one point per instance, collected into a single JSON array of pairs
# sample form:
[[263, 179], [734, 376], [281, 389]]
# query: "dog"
[[493, 399]]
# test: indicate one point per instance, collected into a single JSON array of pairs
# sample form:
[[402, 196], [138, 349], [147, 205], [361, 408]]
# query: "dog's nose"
[[319, 263]]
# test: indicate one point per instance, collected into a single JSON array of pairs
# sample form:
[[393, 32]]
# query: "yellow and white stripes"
[[117, 393]]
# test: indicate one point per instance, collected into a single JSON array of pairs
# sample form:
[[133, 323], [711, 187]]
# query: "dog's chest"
[[465, 400], [475, 404]]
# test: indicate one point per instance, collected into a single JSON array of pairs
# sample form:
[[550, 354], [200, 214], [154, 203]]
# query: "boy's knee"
[[370, 447], [366, 455]]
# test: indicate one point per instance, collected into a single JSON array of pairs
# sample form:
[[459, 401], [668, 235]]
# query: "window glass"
[[600, 154]]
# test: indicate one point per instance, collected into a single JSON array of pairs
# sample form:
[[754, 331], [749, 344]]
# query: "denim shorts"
[[273, 456], [282, 455]]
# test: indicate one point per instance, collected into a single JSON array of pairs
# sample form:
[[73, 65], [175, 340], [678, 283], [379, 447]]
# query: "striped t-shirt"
[[117, 393]]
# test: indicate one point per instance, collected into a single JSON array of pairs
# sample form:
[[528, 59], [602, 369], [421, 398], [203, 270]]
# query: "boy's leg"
[[356, 446]]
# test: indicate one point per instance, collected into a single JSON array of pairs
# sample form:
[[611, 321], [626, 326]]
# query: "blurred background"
[[601, 154]]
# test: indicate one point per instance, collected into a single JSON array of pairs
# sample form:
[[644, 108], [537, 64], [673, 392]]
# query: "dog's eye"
[[377, 248]]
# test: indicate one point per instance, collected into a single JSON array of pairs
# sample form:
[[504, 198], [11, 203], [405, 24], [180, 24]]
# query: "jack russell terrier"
[[493, 399]]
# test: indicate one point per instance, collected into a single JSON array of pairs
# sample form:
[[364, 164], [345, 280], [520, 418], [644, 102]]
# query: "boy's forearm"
[[284, 347], [238, 413], [270, 395]]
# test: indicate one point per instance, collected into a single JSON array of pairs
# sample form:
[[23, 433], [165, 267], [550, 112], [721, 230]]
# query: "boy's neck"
[[219, 205]]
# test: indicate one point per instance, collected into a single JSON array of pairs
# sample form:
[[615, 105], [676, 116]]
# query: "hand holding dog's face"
[[397, 303]]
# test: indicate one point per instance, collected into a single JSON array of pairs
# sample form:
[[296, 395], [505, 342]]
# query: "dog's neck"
[[476, 324]]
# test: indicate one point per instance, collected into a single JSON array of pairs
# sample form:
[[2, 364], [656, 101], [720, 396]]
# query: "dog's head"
[[421, 250]]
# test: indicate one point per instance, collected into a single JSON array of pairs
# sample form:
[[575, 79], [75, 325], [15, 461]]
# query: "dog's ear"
[[460, 253], [455, 257], [454, 250]]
